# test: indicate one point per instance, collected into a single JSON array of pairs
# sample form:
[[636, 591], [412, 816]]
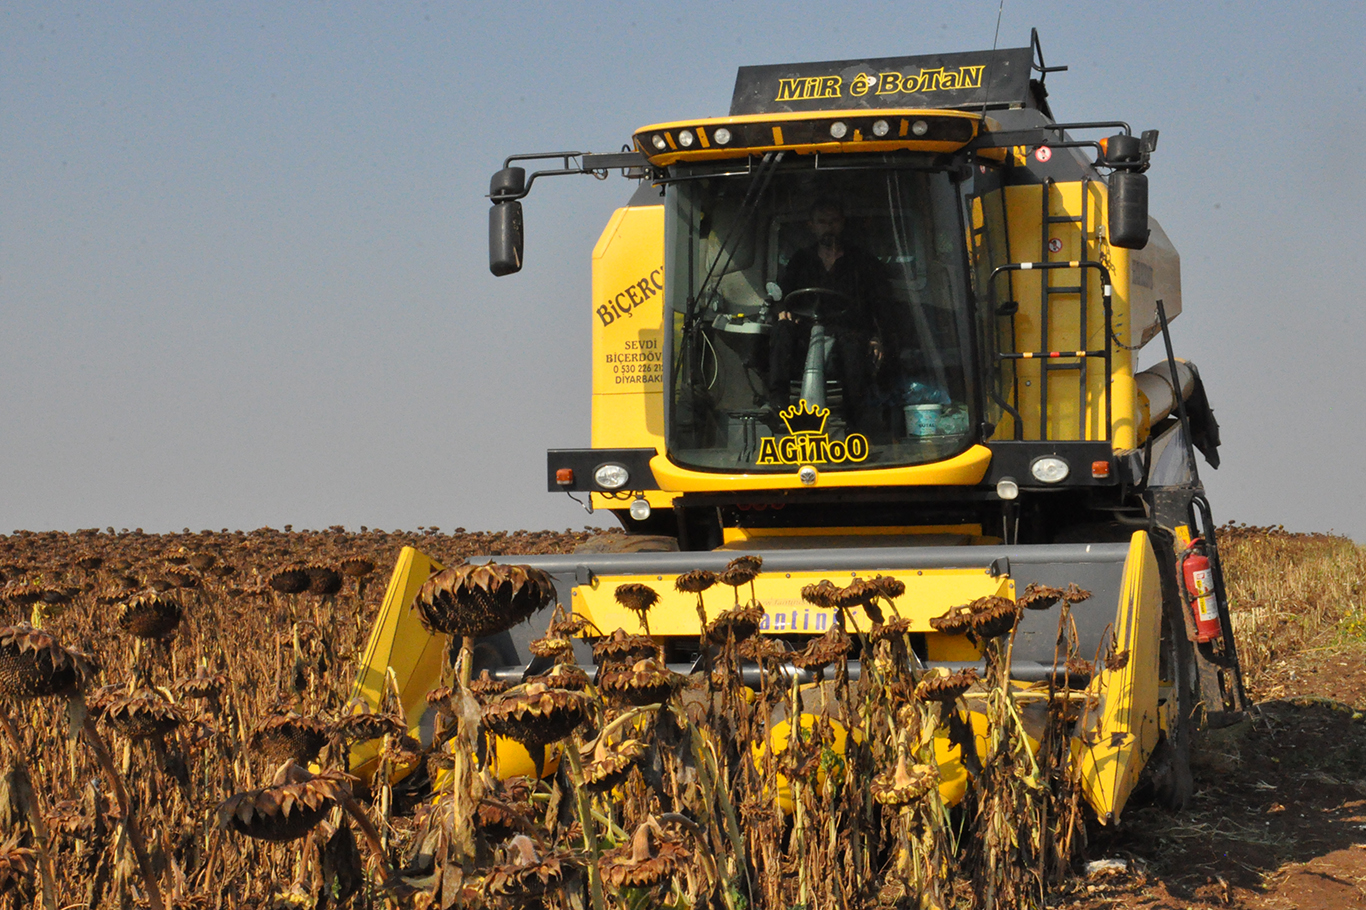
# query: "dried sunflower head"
[[499, 820], [646, 682], [892, 630], [737, 624], [364, 726], [17, 865], [563, 676], [478, 601], [888, 587], [763, 650], [1079, 672], [286, 810], [636, 597], [291, 579], [860, 593], [553, 647], [536, 715], [22, 594], [568, 626], [821, 594], [182, 579], [957, 621], [356, 567], [203, 685], [823, 651], [140, 714], [1075, 594], [993, 616], [486, 686], [323, 580], [609, 765], [1039, 597], [150, 616], [289, 737], [648, 859], [525, 875], [696, 581], [621, 647], [741, 570], [942, 686], [67, 821], [902, 785], [33, 664], [202, 561], [1116, 660]]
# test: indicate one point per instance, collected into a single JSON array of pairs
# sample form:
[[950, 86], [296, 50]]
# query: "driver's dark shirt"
[[856, 274]]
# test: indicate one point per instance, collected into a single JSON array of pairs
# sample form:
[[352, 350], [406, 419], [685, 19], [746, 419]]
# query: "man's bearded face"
[[828, 226]]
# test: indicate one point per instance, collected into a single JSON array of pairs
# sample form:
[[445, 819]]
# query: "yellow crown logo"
[[804, 418]]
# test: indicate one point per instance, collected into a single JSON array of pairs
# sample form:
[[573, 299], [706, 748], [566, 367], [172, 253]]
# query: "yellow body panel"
[[1073, 413], [1113, 751], [966, 469], [628, 340], [399, 642], [778, 738], [932, 593]]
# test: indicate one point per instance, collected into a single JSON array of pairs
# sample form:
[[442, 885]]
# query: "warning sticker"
[[1055, 245], [1043, 153]]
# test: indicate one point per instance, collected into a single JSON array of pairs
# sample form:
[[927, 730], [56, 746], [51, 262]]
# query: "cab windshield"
[[819, 316]]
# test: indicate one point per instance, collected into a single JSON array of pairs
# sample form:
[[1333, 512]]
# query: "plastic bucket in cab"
[[922, 419]]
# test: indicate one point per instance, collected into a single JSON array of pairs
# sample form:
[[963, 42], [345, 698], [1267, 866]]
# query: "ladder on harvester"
[[1060, 228]]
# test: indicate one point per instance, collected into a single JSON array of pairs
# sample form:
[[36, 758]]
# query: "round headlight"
[[881, 128], [920, 127], [640, 510], [659, 142], [685, 138], [1049, 469], [1006, 488], [721, 135], [838, 129], [611, 476]]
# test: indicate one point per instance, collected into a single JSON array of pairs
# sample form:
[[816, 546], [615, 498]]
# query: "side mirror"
[[510, 181], [505, 238], [505, 221], [1128, 210]]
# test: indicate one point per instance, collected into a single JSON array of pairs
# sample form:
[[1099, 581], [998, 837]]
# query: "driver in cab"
[[843, 287]]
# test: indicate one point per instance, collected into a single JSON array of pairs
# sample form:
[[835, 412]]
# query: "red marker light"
[[564, 476], [1100, 469]]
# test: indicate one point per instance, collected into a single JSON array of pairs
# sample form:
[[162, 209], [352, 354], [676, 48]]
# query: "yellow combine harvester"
[[884, 318]]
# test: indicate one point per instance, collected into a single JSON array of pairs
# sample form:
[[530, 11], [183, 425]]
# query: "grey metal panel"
[[1038, 633]]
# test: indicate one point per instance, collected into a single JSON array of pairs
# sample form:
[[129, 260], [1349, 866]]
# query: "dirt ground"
[[1279, 816]]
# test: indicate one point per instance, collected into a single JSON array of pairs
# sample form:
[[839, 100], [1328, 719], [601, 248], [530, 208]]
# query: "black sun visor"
[[974, 80]]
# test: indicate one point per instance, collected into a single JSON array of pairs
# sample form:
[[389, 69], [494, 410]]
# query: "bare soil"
[[1279, 814]]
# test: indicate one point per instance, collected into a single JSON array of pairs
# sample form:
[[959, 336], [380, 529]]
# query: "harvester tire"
[[1169, 769]]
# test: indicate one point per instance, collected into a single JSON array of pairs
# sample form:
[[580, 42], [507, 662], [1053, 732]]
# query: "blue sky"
[[243, 275]]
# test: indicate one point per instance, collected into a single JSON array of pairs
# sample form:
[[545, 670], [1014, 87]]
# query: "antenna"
[[986, 73]]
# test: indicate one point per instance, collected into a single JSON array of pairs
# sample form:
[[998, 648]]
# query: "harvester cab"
[[884, 319]]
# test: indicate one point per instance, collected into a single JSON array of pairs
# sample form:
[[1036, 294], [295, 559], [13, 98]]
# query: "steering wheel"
[[817, 303]]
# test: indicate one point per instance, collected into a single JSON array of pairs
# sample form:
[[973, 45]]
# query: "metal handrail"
[[1107, 294]]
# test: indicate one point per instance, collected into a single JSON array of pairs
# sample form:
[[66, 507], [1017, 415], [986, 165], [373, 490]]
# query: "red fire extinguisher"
[[1200, 593]]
